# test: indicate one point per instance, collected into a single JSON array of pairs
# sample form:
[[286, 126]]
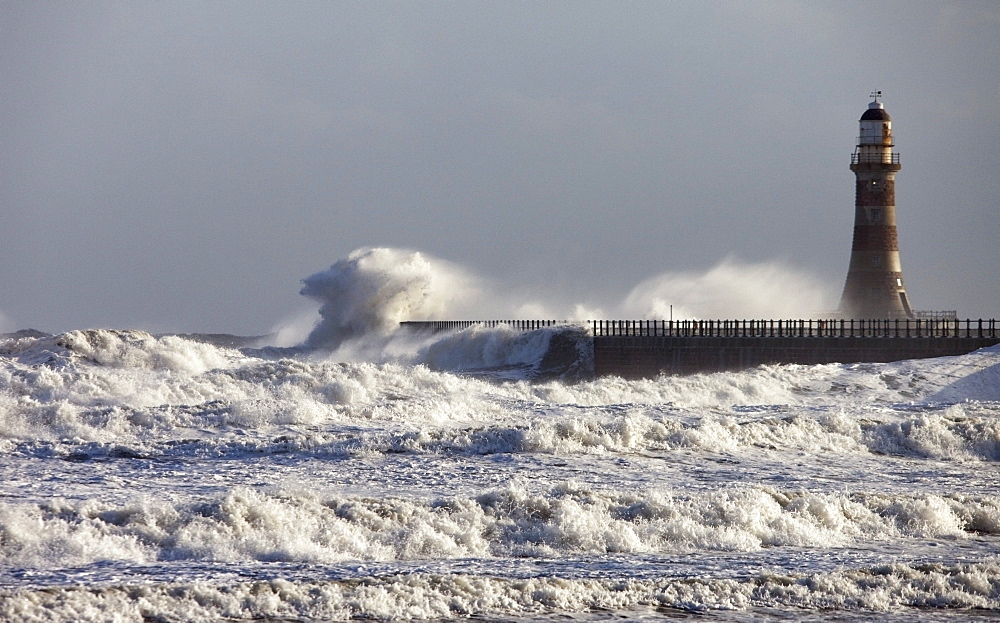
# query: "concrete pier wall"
[[646, 356]]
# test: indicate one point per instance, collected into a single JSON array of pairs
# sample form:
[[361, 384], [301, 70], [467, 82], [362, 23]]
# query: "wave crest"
[[374, 289]]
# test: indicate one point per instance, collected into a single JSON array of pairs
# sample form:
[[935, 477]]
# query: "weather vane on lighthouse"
[[876, 95]]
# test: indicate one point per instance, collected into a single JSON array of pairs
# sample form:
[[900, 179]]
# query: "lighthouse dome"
[[876, 112]]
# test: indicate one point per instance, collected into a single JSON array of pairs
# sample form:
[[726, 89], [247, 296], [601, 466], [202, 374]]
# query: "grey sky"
[[182, 166]]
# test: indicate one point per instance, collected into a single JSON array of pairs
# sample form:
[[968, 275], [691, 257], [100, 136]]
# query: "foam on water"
[[245, 525], [873, 592], [106, 386], [483, 348]]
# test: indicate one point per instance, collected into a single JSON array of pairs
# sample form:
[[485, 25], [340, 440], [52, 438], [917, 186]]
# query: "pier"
[[648, 348]]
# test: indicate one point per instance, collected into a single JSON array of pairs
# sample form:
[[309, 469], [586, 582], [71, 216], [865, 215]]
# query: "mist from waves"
[[6, 323], [730, 290], [368, 293], [363, 298]]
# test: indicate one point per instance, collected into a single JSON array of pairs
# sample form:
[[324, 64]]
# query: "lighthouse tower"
[[874, 287]]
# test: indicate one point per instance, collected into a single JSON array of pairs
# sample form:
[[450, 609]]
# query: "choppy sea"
[[172, 478]]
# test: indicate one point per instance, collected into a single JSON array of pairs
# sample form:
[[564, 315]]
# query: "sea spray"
[[364, 297], [563, 352], [370, 292], [731, 289]]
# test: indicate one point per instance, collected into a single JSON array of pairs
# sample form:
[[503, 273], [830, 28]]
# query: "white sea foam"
[[124, 386], [289, 526], [869, 592], [479, 348], [294, 526]]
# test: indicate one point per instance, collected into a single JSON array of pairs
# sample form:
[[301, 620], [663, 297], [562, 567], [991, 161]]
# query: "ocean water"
[[167, 478]]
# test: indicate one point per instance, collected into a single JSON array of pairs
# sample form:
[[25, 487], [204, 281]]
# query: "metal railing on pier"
[[901, 328], [456, 325], [805, 328]]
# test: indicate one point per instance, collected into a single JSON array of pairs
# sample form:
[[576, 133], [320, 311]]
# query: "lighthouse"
[[874, 287]]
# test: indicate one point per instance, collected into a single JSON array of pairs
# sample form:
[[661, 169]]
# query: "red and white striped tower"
[[874, 287]]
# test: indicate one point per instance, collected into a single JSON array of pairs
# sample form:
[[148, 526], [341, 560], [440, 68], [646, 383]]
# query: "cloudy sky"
[[180, 166]]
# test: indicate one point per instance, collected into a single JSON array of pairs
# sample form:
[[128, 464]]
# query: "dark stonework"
[[875, 238], [881, 194]]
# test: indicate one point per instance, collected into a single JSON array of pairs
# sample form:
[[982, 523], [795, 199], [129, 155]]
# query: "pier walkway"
[[647, 348]]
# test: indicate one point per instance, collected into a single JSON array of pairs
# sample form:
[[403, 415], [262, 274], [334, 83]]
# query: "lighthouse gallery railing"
[[875, 158]]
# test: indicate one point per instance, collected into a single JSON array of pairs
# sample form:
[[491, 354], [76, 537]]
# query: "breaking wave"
[[291, 527], [368, 294], [112, 388], [294, 526], [868, 592]]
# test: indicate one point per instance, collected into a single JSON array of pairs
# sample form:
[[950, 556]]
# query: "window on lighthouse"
[[876, 261]]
